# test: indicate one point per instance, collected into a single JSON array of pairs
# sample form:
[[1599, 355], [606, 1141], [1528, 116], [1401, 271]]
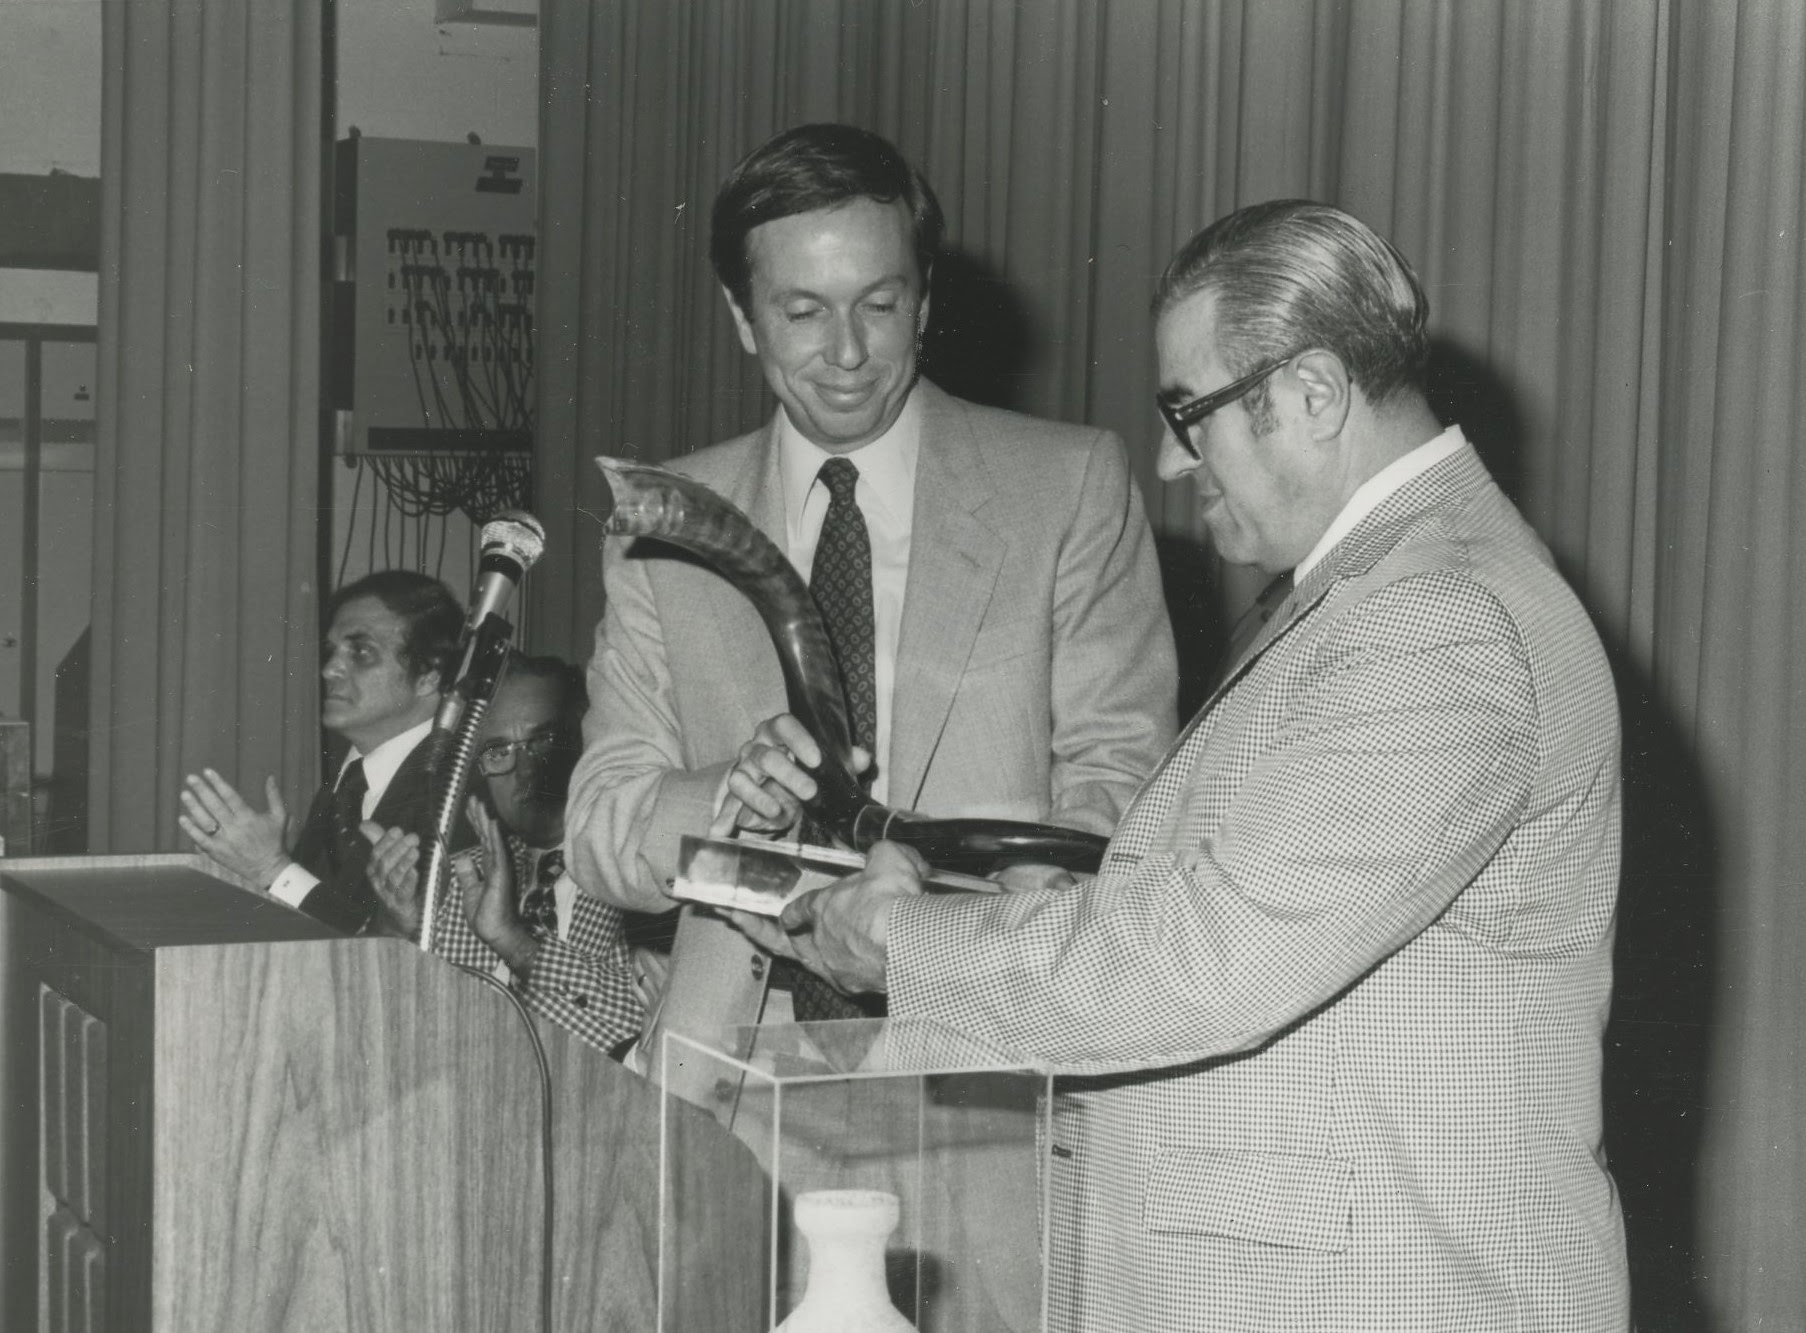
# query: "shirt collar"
[[1374, 491], [887, 465], [381, 764]]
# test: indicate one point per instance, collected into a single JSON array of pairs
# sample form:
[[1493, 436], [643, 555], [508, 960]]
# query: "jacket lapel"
[[954, 560], [758, 492], [1374, 537], [1368, 542]]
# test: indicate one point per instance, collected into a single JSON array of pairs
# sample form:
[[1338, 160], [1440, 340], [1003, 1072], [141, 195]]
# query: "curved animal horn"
[[646, 501]]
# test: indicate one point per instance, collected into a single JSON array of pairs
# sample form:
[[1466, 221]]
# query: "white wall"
[[50, 86], [49, 121], [403, 76]]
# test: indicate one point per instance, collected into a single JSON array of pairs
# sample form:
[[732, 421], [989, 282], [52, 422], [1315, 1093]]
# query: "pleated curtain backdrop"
[[1605, 203], [205, 604]]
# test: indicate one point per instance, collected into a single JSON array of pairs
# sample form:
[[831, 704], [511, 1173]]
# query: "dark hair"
[[1292, 275], [568, 678], [432, 621], [814, 167]]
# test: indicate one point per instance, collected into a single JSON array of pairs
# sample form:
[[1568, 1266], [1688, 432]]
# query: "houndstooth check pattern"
[[583, 982], [1333, 1007]]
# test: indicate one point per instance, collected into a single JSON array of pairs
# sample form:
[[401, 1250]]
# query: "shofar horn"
[[652, 502]]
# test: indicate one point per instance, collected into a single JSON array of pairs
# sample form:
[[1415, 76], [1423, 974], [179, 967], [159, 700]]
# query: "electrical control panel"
[[432, 347]]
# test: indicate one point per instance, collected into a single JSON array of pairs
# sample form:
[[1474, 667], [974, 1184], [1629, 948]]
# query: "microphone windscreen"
[[516, 535]]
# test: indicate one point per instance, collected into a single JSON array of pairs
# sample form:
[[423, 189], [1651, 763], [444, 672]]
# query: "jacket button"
[[758, 967]]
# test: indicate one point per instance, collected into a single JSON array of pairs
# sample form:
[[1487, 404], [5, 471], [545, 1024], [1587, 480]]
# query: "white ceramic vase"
[[846, 1231]]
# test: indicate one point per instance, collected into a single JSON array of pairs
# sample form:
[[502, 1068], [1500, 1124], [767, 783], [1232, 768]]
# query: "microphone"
[[512, 541]]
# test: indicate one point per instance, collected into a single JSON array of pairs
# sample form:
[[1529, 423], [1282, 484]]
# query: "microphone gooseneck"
[[512, 542]]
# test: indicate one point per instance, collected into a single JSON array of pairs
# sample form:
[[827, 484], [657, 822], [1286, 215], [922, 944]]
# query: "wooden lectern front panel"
[[240, 1125], [73, 1162], [346, 1144]]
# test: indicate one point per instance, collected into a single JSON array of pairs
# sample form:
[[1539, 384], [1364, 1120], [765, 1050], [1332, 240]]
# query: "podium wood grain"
[[306, 1133]]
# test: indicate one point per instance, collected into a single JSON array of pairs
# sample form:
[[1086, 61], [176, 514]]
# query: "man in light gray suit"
[[1334, 1004], [1021, 663]]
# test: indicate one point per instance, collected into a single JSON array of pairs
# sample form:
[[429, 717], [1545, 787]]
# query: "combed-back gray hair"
[[1292, 275]]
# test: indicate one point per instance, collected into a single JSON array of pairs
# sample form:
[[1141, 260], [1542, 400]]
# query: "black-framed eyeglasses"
[[1181, 417], [498, 758]]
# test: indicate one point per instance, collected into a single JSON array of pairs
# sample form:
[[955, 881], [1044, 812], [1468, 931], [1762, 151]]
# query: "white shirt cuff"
[[293, 885]]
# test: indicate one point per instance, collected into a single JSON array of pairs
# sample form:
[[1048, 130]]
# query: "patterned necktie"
[[348, 812], [538, 904], [1251, 622], [841, 581]]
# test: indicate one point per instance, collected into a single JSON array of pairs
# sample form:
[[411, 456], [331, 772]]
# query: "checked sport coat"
[[582, 981], [1334, 1004]]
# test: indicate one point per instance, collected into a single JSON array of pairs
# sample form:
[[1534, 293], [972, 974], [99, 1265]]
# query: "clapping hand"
[[489, 900], [246, 841], [394, 873]]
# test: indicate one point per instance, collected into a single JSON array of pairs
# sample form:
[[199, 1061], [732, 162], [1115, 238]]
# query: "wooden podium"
[[238, 1121]]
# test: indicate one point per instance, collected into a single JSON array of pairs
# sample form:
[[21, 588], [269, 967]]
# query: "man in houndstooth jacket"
[[514, 908], [1333, 1006]]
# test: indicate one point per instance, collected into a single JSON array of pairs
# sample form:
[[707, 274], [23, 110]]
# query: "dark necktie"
[[841, 581], [1250, 623], [348, 813], [538, 904]]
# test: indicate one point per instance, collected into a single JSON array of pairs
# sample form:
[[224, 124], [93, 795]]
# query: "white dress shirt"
[[1374, 491], [886, 496], [380, 766]]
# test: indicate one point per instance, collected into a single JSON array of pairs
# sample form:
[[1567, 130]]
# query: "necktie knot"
[[352, 783], [538, 904], [551, 868], [840, 476]]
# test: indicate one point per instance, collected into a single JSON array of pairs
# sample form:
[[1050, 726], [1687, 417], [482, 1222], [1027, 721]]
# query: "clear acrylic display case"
[[906, 1107]]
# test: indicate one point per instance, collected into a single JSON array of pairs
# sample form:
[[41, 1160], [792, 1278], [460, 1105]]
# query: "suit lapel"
[[408, 790], [954, 560], [1366, 544], [758, 492]]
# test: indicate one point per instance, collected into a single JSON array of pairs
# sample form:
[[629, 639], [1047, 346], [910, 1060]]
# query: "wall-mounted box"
[[433, 344]]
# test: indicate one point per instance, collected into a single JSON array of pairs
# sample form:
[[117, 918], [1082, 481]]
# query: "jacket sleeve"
[[1402, 762], [631, 795], [342, 898], [585, 984], [1114, 681]]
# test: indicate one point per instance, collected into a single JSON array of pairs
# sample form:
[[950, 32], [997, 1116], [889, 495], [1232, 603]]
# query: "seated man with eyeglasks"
[[515, 912]]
